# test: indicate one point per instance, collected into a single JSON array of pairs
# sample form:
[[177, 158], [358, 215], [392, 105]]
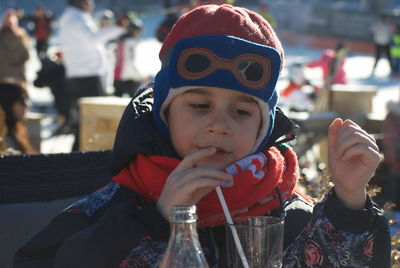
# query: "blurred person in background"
[[127, 77], [42, 21], [52, 75], [83, 44], [382, 31], [125, 18], [172, 13], [166, 26], [391, 146], [106, 18], [13, 106], [14, 48], [299, 95], [22, 23], [332, 62], [3, 133], [395, 53], [83, 47]]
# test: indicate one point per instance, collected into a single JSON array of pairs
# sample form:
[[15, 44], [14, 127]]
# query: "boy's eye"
[[199, 105], [241, 112]]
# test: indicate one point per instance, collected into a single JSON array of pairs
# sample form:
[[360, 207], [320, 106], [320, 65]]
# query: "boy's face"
[[213, 117]]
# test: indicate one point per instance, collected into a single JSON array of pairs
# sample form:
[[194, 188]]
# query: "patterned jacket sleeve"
[[97, 231], [340, 237]]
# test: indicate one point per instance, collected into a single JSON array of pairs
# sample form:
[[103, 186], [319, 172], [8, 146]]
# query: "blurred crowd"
[[95, 54]]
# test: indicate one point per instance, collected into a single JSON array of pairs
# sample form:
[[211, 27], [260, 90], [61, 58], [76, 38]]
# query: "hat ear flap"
[[160, 91]]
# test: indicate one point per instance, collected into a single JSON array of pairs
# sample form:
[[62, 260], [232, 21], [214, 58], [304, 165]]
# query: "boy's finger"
[[190, 160], [370, 155], [349, 128], [347, 140], [333, 131], [202, 183], [199, 188]]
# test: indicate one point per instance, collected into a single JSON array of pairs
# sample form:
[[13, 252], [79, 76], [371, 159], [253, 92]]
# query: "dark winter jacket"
[[115, 227]]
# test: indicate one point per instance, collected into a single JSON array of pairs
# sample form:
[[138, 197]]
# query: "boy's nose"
[[218, 124]]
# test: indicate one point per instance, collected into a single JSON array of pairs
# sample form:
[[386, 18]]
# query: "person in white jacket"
[[83, 48], [382, 31]]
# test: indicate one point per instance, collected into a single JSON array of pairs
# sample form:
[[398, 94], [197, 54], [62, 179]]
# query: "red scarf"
[[252, 193]]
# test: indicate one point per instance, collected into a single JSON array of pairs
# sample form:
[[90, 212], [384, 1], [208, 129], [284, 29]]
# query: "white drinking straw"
[[233, 229]]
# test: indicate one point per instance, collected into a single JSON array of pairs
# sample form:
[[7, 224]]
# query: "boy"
[[210, 119]]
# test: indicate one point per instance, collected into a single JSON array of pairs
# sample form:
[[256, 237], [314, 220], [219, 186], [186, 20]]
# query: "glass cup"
[[261, 239]]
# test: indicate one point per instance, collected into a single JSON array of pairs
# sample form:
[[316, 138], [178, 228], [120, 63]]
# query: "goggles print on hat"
[[223, 62], [252, 71]]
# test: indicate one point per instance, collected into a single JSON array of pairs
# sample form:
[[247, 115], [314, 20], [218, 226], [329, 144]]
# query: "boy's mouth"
[[219, 149], [218, 155]]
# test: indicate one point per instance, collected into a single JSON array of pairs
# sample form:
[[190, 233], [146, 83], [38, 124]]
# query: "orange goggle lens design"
[[251, 70]]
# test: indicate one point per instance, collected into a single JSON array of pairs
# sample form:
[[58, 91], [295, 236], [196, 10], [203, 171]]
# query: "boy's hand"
[[353, 157], [188, 184]]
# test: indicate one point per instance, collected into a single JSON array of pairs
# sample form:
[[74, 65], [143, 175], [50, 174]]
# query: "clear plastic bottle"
[[183, 248]]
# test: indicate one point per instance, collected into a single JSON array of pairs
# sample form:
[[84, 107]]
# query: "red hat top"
[[223, 20]]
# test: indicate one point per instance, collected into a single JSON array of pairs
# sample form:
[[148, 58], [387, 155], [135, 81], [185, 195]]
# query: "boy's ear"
[[283, 127]]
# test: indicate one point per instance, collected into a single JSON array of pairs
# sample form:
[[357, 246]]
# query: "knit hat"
[[223, 20], [223, 47]]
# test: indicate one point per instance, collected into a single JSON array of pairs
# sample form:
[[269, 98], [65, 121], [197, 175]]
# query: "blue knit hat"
[[245, 62]]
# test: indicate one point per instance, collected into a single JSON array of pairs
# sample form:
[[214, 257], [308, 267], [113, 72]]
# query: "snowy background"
[[358, 68]]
